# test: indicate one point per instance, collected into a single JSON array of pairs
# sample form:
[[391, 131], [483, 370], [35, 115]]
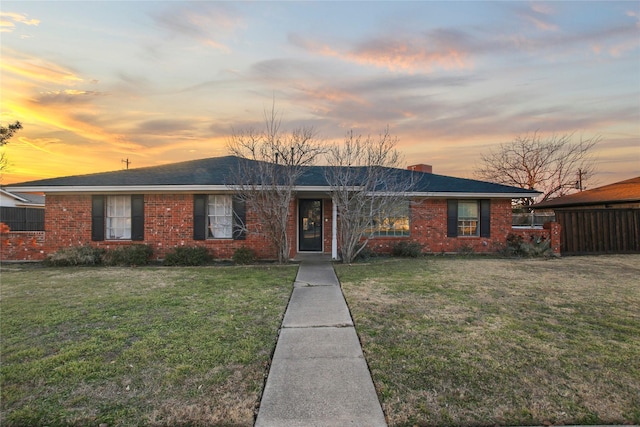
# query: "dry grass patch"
[[137, 346], [477, 341]]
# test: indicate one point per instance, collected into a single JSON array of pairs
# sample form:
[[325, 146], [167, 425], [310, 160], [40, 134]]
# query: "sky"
[[155, 82]]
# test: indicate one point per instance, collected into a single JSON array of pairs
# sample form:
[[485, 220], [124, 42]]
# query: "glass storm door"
[[310, 225]]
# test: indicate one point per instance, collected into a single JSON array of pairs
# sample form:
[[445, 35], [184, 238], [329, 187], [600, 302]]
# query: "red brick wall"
[[551, 230], [168, 224], [292, 227], [429, 228], [327, 221], [21, 245]]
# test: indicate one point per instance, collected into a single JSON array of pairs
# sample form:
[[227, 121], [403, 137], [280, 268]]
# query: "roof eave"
[[471, 195], [121, 189], [586, 204], [13, 196], [229, 188]]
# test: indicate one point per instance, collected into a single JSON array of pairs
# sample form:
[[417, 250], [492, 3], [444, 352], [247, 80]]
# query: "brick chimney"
[[421, 168]]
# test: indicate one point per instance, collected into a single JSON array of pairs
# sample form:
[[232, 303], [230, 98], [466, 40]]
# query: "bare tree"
[[4, 162], [554, 165], [272, 162], [367, 187]]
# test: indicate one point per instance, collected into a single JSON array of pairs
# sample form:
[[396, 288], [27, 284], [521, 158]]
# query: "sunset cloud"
[[67, 96], [159, 82], [441, 49], [8, 21], [37, 69], [208, 23], [540, 15]]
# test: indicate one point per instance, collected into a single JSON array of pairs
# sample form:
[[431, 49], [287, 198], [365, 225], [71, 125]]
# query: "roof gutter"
[[464, 195], [121, 189], [224, 188]]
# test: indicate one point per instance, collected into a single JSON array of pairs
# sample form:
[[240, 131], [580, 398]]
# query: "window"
[[393, 222], [220, 217], [468, 218], [118, 218]]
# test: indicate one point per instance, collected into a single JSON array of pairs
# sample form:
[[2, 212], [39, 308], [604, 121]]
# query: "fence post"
[[554, 234]]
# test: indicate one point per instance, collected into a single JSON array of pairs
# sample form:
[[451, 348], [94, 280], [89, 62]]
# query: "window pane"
[[393, 221], [468, 218], [118, 220], [220, 217], [467, 209]]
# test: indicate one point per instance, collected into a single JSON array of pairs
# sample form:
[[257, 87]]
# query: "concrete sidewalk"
[[318, 375]]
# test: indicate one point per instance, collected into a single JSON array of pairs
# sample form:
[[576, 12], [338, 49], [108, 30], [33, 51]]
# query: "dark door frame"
[[312, 227]]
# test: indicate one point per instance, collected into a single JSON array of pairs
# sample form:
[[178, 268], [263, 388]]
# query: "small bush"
[[75, 256], [188, 256], [244, 255], [365, 254], [466, 250], [407, 249], [518, 247], [515, 244], [538, 248], [128, 255]]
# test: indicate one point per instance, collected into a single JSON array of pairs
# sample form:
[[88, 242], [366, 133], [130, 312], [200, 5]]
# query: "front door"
[[310, 225]]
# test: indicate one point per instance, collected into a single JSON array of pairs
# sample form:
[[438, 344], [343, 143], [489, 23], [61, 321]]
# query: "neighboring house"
[[193, 204], [21, 226], [22, 211], [20, 200], [601, 220]]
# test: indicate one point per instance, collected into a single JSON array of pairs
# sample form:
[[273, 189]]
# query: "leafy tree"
[[273, 160], [367, 184], [7, 132], [554, 165]]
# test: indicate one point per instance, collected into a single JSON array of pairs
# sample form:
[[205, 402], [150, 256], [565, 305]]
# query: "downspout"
[[334, 230]]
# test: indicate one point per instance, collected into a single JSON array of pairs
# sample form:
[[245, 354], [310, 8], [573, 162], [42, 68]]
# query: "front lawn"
[[137, 346], [478, 341]]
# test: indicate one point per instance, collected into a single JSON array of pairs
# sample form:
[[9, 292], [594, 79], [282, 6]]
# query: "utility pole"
[[126, 162], [579, 181]]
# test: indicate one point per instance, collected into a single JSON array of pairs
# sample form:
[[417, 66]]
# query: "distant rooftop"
[[619, 192]]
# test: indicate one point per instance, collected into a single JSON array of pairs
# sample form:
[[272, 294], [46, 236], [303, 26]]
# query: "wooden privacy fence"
[[587, 231]]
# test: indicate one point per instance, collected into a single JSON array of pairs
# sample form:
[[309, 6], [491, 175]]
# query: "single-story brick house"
[[192, 204]]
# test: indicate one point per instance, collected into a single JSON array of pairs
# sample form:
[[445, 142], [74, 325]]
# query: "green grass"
[[477, 341], [137, 346]]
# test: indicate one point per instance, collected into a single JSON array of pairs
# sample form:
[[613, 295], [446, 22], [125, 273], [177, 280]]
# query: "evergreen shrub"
[[75, 256], [244, 255], [188, 256], [131, 255], [407, 249]]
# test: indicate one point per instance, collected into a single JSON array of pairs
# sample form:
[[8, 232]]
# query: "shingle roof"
[[619, 192], [24, 198], [35, 199], [219, 171], [211, 171]]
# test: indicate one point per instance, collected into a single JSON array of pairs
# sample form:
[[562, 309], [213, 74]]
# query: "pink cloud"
[[207, 23], [410, 55], [444, 49]]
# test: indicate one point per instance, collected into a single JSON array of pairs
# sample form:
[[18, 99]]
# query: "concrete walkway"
[[318, 375]]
